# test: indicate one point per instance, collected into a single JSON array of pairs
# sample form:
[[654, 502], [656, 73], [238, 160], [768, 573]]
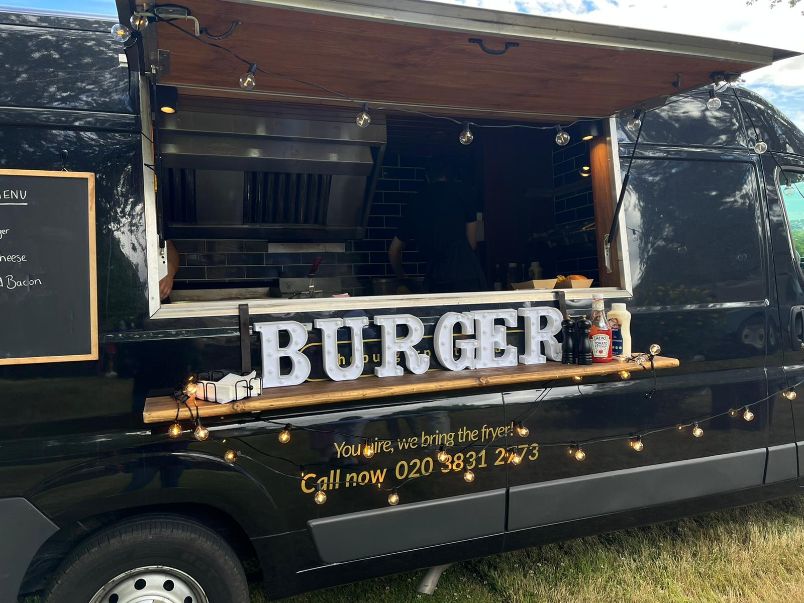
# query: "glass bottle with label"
[[600, 334]]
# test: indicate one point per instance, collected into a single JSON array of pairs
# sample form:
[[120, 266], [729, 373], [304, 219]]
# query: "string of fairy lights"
[[171, 14], [577, 449]]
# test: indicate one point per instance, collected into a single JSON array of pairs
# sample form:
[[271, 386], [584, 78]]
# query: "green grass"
[[746, 555], [753, 554]]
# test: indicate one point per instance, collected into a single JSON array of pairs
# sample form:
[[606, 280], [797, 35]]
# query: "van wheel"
[[164, 559]]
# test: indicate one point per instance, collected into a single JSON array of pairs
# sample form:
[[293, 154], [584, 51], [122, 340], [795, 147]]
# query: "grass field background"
[[748, 555]]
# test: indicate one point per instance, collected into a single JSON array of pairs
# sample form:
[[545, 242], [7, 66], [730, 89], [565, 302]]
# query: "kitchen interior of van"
[[269, 188], [269, 200]]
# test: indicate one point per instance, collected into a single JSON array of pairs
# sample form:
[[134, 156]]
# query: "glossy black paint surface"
[[714, 279]]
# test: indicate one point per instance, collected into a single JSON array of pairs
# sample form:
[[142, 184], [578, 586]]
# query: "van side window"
[[792, 189], [694, 232]]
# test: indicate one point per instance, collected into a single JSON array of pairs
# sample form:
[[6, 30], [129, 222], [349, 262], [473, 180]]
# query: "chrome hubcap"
[[152, 584]]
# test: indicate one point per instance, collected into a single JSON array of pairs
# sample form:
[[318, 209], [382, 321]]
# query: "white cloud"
[[725, 19], [780, 27]]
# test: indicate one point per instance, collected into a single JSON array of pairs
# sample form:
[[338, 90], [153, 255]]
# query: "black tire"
[[151, 541]]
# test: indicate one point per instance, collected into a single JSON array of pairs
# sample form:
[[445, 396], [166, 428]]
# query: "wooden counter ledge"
[[162, 409]]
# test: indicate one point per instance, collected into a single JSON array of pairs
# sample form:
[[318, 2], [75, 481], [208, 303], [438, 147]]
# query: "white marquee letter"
[[417, 363], [271, 353], [535, 335], [444, 344], [491, 336], [329, 345]]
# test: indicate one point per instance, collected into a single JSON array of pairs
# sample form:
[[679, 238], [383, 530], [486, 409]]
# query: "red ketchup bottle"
[[600, 335]]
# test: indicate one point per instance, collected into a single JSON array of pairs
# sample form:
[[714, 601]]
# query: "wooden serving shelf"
[[162, 409]]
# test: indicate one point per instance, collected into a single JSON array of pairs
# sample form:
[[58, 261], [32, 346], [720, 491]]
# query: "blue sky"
[[782, 83], [104, 8]]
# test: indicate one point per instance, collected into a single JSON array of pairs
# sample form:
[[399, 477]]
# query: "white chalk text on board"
[[11, 281], [461, 340]]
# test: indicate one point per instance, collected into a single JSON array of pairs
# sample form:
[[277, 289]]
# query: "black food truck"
[[319, 289]]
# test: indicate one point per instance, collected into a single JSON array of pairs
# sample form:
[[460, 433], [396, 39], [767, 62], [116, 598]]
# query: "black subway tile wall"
[[352, 264], [573, 208]]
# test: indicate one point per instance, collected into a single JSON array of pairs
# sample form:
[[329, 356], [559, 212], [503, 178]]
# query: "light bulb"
[[625, 375], [748, 414], [466, 137], [585, 171], [760, 147], [284, 435], [139, 21], [201, 433], [580, 454], [563, 137], [733, 412], [120, 32], [637, 444], [191, 388], [230, 456], [713, 103], [469, 476], [249, 79], [655, 349], [697, 431], [368, 450], [320, 496], [442, 456], [636, 121], [790, 394], [174, 431], [577, 378], [522, 431], [393, 498], [363, 119], [515, 458]]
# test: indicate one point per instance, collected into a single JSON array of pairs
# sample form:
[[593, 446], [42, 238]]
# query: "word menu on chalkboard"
[[48, 281]]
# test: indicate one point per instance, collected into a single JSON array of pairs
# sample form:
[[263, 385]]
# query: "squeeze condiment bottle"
[[620, 323], [600, 334]]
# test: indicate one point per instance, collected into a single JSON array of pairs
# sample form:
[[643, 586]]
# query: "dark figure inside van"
[[443, 222]]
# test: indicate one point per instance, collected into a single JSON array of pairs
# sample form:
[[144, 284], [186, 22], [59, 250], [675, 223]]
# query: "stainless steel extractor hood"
[[279, 174]]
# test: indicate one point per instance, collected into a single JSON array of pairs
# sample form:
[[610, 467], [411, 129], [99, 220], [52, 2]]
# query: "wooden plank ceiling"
[[392, 63]]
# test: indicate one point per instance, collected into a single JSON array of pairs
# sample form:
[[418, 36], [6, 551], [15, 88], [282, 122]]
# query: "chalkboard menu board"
[[48, 282]]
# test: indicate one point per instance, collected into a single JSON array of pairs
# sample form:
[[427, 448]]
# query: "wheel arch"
[[96, 494], [53, 552]]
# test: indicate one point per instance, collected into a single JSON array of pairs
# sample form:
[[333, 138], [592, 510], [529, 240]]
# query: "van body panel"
[[25, 528], [412, 526], [326, 451], [579, 497], [786, 365], [782, 463]]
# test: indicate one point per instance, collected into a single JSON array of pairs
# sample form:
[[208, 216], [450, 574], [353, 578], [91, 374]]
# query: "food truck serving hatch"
[[446, 58]]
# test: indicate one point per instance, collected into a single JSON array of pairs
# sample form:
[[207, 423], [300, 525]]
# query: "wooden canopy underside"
[[387, 63]]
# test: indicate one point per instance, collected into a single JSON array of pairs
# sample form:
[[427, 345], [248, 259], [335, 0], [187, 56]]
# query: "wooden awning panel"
[[418, 54]]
